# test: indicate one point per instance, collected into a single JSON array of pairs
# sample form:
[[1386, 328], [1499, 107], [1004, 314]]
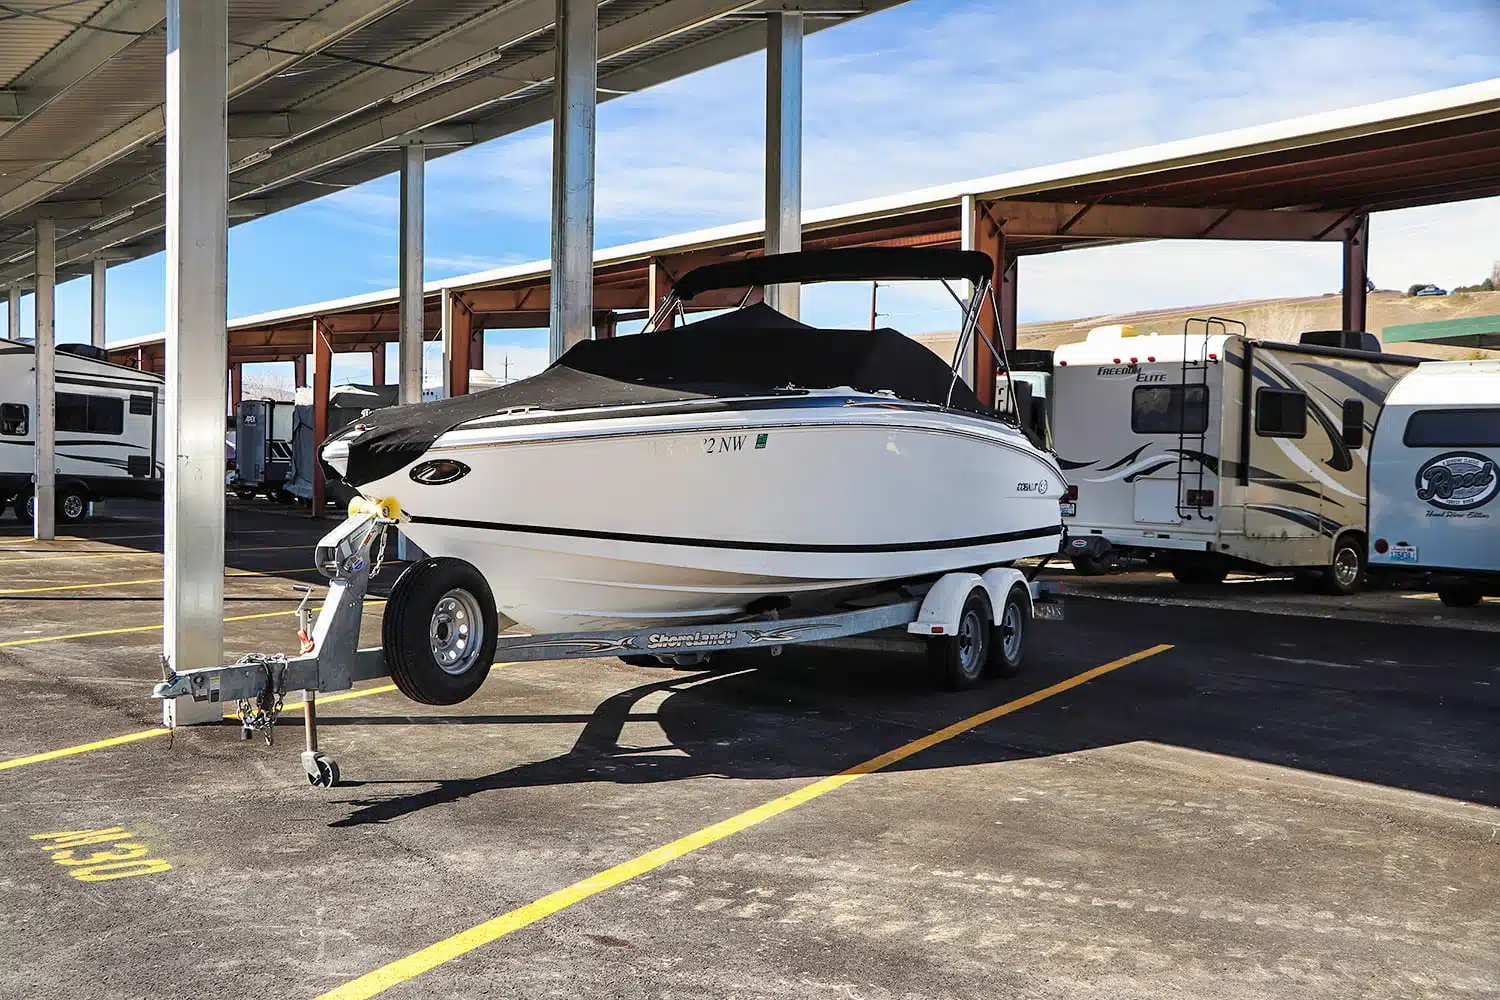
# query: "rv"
[[1433, 480], [346, 404], [1206, 450], [108, 429]]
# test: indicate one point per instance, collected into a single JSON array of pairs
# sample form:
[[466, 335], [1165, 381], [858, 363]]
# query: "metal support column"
[[1008, 300], [658, 287], [299, 371], [458, 347], [13, 312], [604, 326], [377, 365], [476, 349], [968, 239], [988, 238], [44, 424], [1356, 273], [784, 149], [197, 239], [236, 387], [575, 101], [322, 384], [96, 303], [412, 325]]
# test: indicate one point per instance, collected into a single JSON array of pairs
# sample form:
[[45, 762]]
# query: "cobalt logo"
[[1459, 480]]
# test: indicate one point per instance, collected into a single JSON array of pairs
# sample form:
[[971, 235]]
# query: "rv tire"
[[1200, 574], [72, 504], [430, 608], [1463, 595], [1346, 571]]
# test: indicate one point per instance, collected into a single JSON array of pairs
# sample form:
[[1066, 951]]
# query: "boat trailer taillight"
[[1382, 546]]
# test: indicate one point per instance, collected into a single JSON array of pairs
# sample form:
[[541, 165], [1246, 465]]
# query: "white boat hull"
[[683, 517]]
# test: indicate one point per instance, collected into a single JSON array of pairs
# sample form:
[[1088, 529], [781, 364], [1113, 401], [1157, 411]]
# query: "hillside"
[[1272, 319]]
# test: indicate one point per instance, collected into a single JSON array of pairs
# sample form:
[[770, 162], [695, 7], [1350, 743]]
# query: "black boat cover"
[[750, 352], [855, 264]]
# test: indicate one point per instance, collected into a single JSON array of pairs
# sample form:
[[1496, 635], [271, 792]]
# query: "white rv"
[[108, 429], [1433, 480], [1207, 449]]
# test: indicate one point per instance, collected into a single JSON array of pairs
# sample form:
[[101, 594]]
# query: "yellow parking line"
[[154, 628], [124, 555], [114, 741], [119, 538], [448, 949]]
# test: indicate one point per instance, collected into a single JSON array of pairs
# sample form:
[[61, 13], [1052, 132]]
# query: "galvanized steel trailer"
[[971, 622]]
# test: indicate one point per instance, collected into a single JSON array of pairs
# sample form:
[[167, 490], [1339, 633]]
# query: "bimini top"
[[856, 264], [749, 352]]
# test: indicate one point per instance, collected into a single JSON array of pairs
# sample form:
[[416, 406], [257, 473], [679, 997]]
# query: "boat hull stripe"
[[721, 543]]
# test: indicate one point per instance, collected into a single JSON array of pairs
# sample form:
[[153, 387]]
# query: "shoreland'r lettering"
[[672, 640]]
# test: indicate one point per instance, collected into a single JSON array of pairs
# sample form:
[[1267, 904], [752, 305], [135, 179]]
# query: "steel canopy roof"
[[322, 92]]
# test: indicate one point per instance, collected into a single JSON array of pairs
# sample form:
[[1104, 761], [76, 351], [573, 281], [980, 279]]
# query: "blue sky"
[[927, 93]]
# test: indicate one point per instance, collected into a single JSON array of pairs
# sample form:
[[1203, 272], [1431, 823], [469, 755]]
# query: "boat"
[[706, 470]]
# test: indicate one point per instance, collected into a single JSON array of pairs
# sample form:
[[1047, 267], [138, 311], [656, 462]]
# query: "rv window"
[[140, 406], [1469, 428], [1354, 423], [1280, 413], [1159, 409], [13, 419], [81, 414]]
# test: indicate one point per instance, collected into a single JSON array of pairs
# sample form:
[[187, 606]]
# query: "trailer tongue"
[[961, 640]]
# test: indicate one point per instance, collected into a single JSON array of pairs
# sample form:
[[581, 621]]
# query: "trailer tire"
[[1460, 595], [431, 657], [72, 504], [22, 506], [1011, 630], [959, 660]]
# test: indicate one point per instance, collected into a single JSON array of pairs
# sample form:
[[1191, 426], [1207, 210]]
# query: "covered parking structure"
[[1482, 332], [1311, 179], [132, 126]]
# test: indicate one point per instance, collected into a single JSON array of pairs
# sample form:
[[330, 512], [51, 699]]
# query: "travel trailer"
[[1433, 481], [108, 429], [1206, 450], [346, 403], [263, 449]]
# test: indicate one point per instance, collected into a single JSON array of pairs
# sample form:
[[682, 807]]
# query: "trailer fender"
[[998, 582], [945, 602]]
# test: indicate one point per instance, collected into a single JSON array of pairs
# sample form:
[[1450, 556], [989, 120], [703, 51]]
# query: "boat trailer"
[[348, 556]]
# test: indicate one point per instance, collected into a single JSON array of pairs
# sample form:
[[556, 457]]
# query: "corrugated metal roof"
[[338, 66]]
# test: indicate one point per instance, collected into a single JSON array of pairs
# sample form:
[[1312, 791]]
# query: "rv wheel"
[[1200, 574], [24, 507], [1460, 596], [959, 660], [72, 504], [439, 631], [1346, 571]]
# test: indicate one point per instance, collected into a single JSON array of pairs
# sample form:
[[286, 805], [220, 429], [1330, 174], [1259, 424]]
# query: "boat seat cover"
[[739, 354]]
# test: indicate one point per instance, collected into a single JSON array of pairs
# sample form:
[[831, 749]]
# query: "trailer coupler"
[[330, 657]]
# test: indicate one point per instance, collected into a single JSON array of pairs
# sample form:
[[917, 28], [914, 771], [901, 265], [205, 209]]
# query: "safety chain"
[[380, 553], [260, 715]]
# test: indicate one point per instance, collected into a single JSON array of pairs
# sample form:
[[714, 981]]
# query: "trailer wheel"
[[439, 631], [22, 506], [1460, 595], [1346, 570], [72, 504], [959, 660], [1008, 641]]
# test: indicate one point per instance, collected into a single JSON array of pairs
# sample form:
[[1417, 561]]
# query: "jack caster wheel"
[[322, 772]]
